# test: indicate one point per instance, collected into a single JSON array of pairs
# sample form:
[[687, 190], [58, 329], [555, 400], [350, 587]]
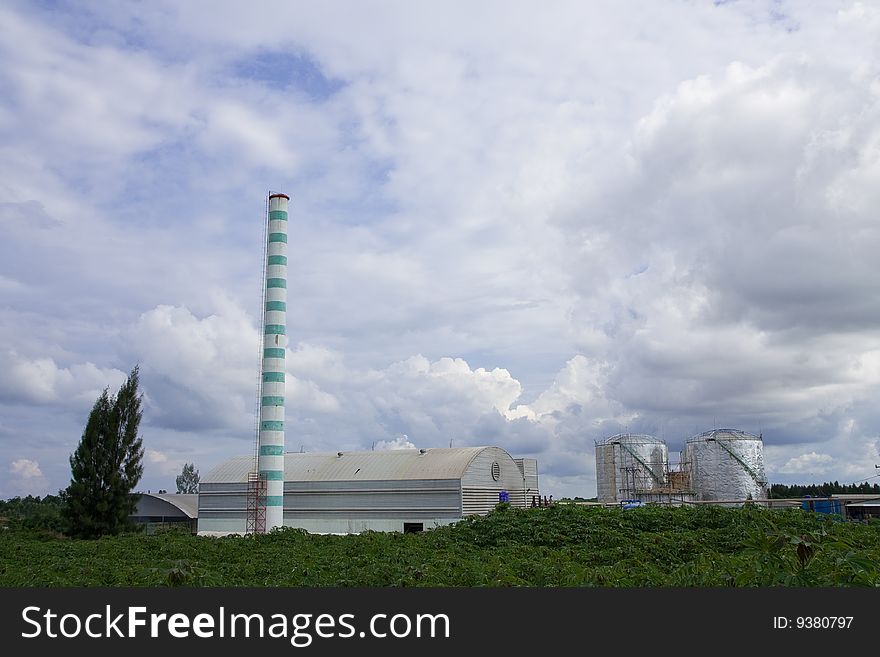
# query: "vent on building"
[[496, 471]]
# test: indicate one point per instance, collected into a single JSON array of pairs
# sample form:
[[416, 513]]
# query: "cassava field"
[[557, 546]]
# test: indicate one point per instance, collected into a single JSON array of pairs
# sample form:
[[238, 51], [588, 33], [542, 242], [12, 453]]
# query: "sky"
[[530, 227]]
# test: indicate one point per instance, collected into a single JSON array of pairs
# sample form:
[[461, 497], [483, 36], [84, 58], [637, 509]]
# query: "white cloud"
[[308, 396], [160, 462], [198, 371], [155, 456], [25, 478], [42, 381], [810, 463], [861, 16], [25, 469], [530, 228], [401, 442]]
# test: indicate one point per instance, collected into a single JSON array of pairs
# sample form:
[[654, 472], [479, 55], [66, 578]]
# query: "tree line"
[[826, 489]]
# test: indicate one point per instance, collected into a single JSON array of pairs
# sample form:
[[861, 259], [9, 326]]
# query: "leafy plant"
[[181, 572], [555, 546]]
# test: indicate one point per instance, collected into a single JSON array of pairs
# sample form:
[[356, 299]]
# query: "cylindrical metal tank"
[[271, 453], [726, 464], [629, 465]]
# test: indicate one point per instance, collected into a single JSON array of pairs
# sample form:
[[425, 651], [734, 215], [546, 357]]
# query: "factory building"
[[396, 490], [162, 510]]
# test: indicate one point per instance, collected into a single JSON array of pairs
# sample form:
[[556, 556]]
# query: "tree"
[[32, 512], [106, 465], [188, 480]]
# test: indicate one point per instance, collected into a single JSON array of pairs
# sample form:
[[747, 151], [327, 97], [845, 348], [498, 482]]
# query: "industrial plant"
[[415, 489], [724, 466], [343, 492]]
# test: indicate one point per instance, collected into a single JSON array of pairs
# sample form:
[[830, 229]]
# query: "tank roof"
[[631, 438], [726, 434]]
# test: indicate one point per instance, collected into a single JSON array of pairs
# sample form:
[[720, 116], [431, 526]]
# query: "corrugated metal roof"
[[187, 503], [440, 463]]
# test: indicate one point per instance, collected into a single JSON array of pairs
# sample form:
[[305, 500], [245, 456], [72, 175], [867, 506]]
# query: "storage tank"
[[628, 465], [726, 464]]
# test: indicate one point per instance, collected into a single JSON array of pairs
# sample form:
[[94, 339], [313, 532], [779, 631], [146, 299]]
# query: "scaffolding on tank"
[[642, 478]]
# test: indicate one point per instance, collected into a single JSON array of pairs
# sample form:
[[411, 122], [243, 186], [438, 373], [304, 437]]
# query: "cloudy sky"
[[525, 227]]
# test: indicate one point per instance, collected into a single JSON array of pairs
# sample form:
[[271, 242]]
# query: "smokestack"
[[271, 457]]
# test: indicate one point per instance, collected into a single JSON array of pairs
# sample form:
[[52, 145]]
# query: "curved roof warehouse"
[[394, 490], [165, 509]]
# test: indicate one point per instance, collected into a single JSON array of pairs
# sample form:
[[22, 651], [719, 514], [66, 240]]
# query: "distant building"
[[864, 509], [164, 510], [394, 490]]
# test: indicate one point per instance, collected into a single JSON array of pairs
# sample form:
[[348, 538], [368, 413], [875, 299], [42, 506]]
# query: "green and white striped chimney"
[[271, 459]]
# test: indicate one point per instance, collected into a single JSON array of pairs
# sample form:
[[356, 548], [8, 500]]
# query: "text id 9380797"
[[812, 622]]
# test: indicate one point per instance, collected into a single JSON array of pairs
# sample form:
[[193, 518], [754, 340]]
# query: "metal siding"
[[479, 491], [407, 484], [529, 470], [430, 498], [358, 525], [221, 525]]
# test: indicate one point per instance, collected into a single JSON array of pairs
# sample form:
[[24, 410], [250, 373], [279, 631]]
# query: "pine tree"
[[106, 465], [188, 480]]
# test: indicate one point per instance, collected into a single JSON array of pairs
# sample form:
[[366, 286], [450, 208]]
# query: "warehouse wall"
[[479, 489], [529, 470], [339, 506]]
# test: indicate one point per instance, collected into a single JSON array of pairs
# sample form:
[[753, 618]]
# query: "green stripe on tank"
[[278, 237], [273, 352], [271, 450], [276, 305], [276, 282], [272, 425], [273, 400], [276, 377], [277, 260], [272, 475], [274, 500], [278, 215], [275, 329]]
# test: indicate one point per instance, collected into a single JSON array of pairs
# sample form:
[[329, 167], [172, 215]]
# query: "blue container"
[[823, 506]]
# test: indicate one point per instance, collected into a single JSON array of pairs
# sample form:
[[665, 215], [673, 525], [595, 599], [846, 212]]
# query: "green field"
[[557, 546]]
